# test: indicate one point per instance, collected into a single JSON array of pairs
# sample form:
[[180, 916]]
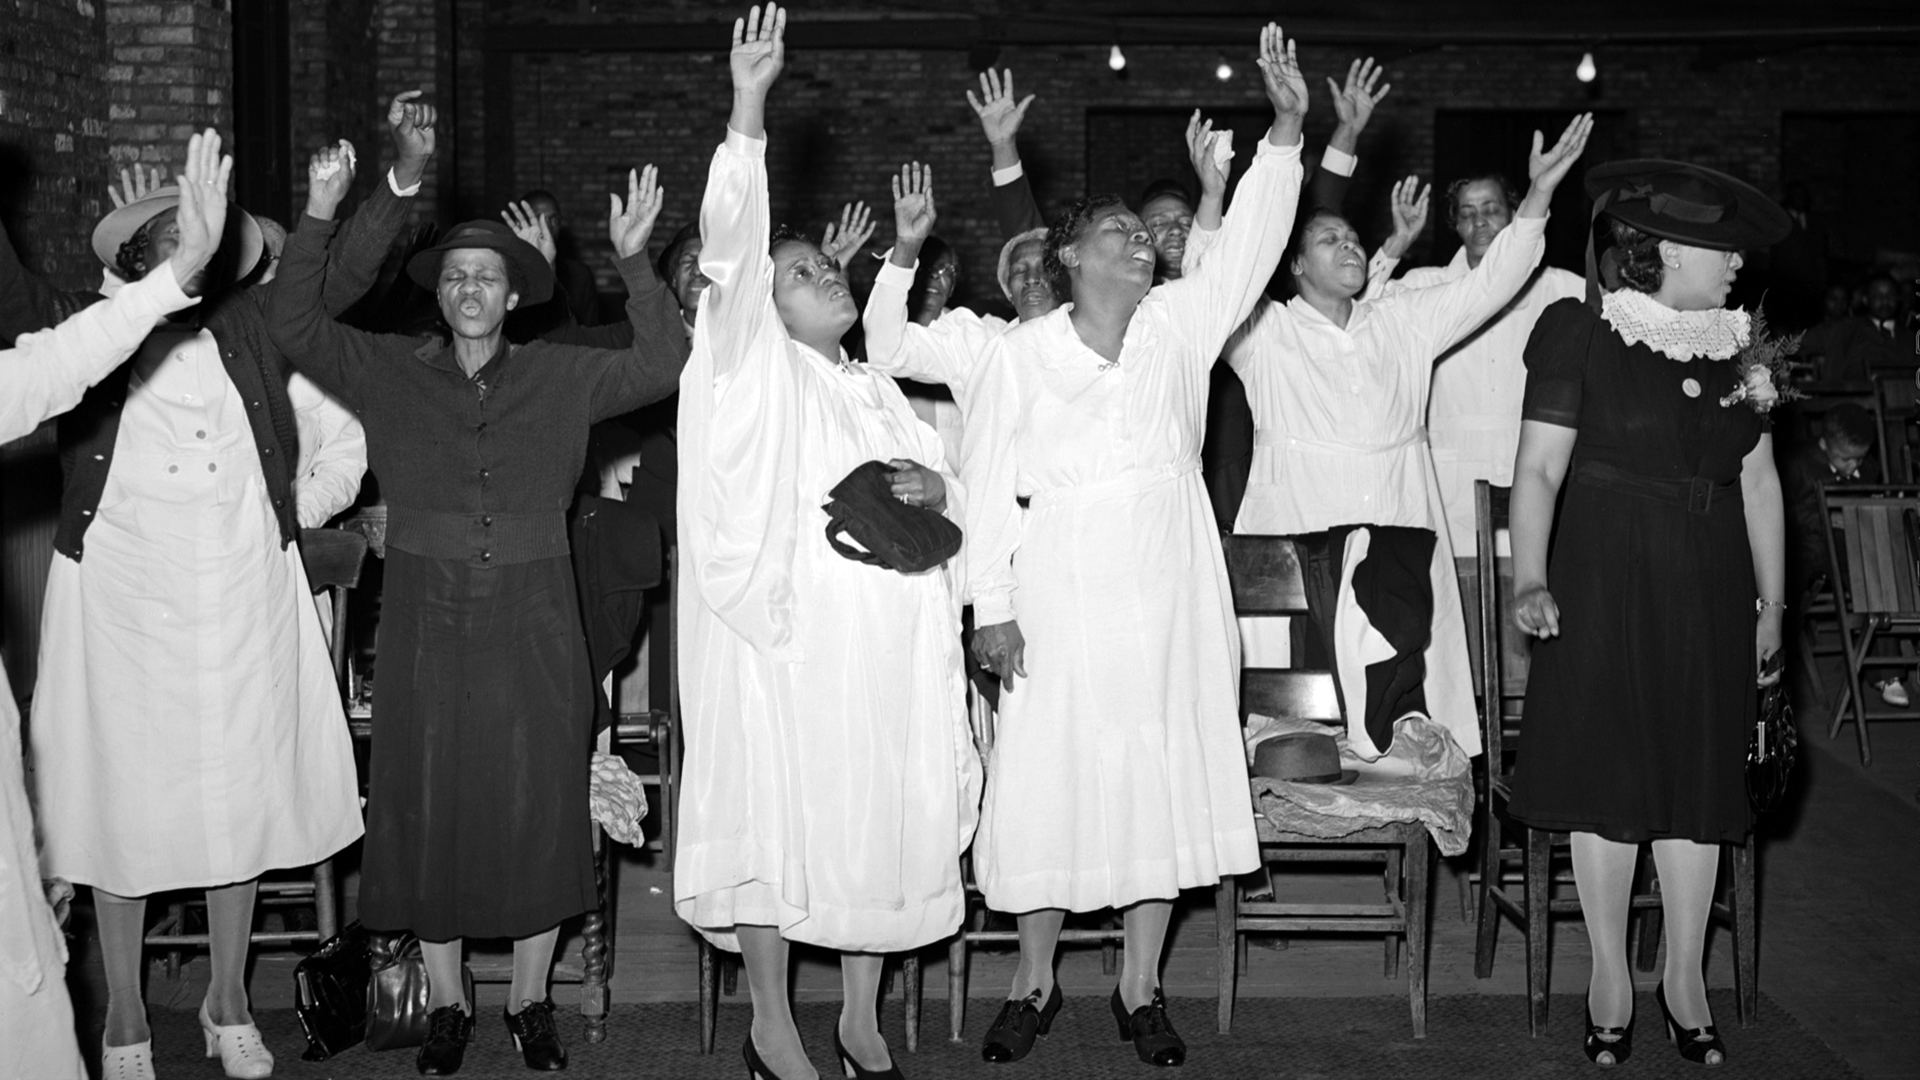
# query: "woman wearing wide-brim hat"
[[477, 814], [1662, 597]]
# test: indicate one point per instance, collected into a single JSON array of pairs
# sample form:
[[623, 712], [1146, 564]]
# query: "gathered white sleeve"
[[333, 453], [990, 466], [737, 430], [48, 371], [1208, 302], [1446, 313], [947, 352]]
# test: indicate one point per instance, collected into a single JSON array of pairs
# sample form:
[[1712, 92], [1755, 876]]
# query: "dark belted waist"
[[478, 539], [1696, 493]]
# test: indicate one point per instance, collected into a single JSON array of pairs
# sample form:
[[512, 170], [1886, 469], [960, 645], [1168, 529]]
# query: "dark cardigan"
[[238, 322], [479, 469]]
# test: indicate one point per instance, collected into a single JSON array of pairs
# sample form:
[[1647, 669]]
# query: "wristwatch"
[[1761, 604]]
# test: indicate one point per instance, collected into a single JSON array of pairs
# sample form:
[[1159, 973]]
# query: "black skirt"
[[477, 817]]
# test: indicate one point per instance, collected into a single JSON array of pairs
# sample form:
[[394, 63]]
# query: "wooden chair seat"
[[1872, 551]]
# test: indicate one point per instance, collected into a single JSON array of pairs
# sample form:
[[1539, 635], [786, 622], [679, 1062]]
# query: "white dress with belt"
[[186, 730], [1117, 772]]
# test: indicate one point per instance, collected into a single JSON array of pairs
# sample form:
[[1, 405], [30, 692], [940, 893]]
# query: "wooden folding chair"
[[1513, 853], [1871, 555], [1266, 577]]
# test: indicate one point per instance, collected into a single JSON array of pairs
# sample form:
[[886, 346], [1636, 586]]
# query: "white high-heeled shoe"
[[126, 1062], [242, 1053]]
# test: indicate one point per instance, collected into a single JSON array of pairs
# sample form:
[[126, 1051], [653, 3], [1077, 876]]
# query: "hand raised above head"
[[1409, 205], [202, 216], [856, 228], [1354, 102], [999, 111], [412, 122], [136, 184], [629, 225], [1546, 169], [329, 177], [531, 226], [914, 211], [1203, 155], [759, 49], [1280, 71]]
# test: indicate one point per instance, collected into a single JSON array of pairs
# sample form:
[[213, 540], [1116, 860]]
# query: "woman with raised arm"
[[830, 781], [1118, 776], [1662, 599], [477, 817]]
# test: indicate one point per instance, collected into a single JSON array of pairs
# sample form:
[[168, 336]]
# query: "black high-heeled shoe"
[[1619, 1044], [448, 1030], [1694, 1044], [756, 1068], [535, 1036], [1018, 1025], [1150, 1030], [857, 1071]]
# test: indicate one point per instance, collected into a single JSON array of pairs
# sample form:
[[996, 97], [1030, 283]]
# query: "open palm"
[[630, 224], [913, 209], [759, 48], [1547, 169], [1280, 70]]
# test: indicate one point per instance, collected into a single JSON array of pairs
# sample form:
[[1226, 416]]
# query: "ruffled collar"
[[1679, 335]]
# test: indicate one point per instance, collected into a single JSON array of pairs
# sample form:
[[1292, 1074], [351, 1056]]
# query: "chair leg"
[[709, 1000], [910, 975], [1419, 910], [326, 912], [1109, 948], [1539, 910], [1390, 878], [1652, 920], [1226, 914], [1487, 934], [1808, 657], [594, 952], [1746, 952], [730, 975], [957, 985]]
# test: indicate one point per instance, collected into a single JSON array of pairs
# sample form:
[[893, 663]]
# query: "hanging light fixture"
[[1223, 71], [1587, 71], [1116, 59]]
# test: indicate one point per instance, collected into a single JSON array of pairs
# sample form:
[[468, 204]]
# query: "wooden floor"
[[1839, 938]]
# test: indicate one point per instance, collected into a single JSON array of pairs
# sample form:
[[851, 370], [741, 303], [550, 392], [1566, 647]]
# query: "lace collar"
[[1679, 335]]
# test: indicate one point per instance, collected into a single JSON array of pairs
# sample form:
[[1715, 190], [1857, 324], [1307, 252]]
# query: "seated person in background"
[[1848, 347]]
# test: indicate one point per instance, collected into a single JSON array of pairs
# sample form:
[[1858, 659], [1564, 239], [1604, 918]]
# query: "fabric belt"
[[478, 539], [1131, 483], [1271, 437], [1696, 493]]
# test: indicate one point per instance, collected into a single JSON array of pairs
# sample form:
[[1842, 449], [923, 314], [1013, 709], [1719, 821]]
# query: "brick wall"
[[53, 133], [171, 75]]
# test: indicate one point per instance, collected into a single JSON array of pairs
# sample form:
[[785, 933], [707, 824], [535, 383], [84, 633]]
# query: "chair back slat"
[[1297, 695], [1876, 546], [332, 557], [1265, 574]]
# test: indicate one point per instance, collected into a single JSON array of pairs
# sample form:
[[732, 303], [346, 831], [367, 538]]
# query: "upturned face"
[[934, 287], [686, 280], [1169, 219], [1028, 282], [811, 293], [474, 291], [1330, 259], [1696, 278], [1115, 250], [1480, 215]]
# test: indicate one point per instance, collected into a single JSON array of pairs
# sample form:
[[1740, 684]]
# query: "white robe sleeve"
[[333, 453], [946, 352], [47, 372], [737, 429], [990, 466], [1445, 314], [1205, 306]]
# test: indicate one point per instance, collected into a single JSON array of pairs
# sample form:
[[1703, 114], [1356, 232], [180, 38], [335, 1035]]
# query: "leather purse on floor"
[[330, 993], [396, 995]]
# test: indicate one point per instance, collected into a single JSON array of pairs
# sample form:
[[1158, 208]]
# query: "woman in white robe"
[[830, 781], [1117, 777]]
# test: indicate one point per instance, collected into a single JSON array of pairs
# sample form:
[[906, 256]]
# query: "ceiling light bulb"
[[1116, 59], [1223, 72], [1586, 72]]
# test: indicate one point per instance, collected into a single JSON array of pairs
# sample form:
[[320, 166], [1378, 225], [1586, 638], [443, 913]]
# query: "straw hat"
[[119, 226]]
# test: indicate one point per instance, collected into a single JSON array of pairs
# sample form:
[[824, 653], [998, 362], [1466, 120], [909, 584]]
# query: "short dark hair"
[[931, 252], [540, 193], [130, 261], [1455, 189], [1166, 185], [1066, 229], [1636, 255], [670, 254], [1850, 424], [1300, 226]]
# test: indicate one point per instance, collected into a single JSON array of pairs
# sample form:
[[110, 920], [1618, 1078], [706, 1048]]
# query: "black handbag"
[[887, 532], [330, 993], [396, 995], [1771, 749]]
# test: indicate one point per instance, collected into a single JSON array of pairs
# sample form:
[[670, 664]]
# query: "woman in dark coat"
[[477, 822], [1664, 593]]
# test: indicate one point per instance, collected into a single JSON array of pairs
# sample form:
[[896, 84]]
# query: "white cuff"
[[894, 275], [405, 192], [1003, 177], [992, 609], [746, 144], [1338, 161]]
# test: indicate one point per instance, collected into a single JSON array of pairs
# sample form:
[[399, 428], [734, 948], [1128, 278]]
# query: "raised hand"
[[531, 227], [629, 226], [1201, 154], [1354, 102], [1286, 86], [913, 209], [329, 177], [137, 184], [1000, 115], [1547, 169], [202, 217], [856, 228], [759, 49], [1409, 203]]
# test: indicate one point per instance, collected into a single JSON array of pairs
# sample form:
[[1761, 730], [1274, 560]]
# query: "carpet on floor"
[[1292, 1038]]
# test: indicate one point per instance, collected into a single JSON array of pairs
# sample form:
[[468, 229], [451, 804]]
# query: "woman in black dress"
[[477, 818], [1669, 541]]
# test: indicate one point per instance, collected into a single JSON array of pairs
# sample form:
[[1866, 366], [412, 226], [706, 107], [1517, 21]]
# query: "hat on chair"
[[1301, 757]]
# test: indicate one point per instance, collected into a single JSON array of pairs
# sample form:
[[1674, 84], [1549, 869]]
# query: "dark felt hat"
[[1684, 203], [1302, 757], [535, 275]]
